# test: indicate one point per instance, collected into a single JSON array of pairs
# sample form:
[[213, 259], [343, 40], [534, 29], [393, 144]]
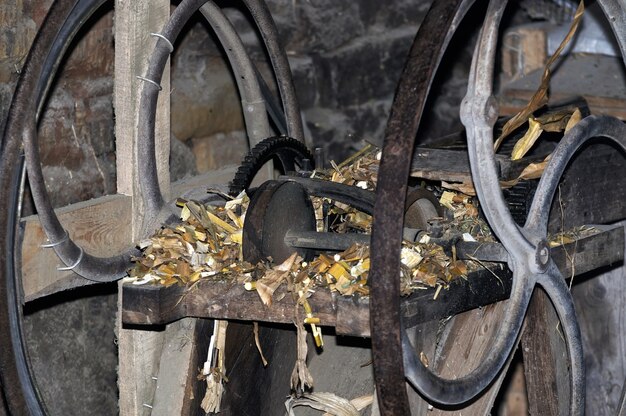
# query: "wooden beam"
[[139, 351], [100, 226], [150, 304], [463, 344], [600, 304], [134, 22], [544, 348]]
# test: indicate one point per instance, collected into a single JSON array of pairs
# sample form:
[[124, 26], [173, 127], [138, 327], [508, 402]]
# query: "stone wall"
[[346, 58]]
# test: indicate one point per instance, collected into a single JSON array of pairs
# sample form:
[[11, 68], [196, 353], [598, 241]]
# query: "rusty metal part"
[[428, 47], [421, 207], [276, 209]]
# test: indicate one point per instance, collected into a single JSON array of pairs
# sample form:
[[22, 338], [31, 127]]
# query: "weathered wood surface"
[[592, 190], [102, 226], [150, 304], [179, 392], [463, 345], [600, 301], [606, 94], [139, 351], [543, 349], [253, 389], [452, 165]]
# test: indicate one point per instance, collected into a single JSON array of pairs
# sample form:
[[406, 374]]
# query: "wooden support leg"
[[139, 351], [179, 392], [601, 309], [545, 359]]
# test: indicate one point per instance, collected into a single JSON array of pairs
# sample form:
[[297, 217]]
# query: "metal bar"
[[325, 241]]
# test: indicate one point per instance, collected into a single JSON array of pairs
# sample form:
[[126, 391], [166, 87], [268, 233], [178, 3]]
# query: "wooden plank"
[[100, 226], [599, 79], [134, 21], [600, 303], [150, 304], [441, 165], [139, 351], [184, 352], [264, 389], [543, 349], [592, 189], [462, 347], [452, 165]]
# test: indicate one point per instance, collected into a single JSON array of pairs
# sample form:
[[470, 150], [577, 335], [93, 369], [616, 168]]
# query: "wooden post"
[[139, 350]]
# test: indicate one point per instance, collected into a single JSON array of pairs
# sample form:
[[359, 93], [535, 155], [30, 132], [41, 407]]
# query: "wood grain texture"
[[544, 349], [101, 226], [139, 351], [184, 352], [139, 354], [255, 390], [461, 348], [134, 21], [600, 303]]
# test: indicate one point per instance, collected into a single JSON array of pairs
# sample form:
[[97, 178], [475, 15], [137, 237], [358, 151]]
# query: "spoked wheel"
[[529, 256], [63, 21]]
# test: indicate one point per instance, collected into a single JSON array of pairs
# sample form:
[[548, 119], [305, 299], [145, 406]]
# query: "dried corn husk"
[[541, 95], [329, 403]]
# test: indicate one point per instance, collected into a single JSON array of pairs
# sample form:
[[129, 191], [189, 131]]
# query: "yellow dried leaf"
[[524, 144], [345, 286], [237, 237], [169, 281], [194, 277], [573, 120], [466, 188], [267, 285], [447, 199], [221, 223], [185, 213]]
